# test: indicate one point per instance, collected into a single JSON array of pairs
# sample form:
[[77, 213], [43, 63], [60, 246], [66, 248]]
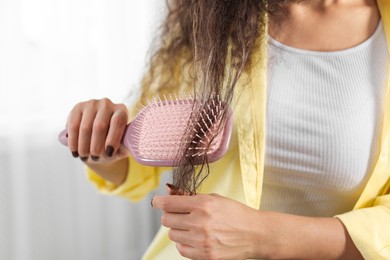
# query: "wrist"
[[285, 236], [270, 241], [113, 171], [261, 235]]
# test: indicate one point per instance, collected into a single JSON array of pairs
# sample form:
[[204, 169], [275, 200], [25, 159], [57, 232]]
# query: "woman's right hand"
[[95, 129]]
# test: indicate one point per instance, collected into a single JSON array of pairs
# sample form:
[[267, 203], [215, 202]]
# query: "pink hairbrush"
[[155, 136]]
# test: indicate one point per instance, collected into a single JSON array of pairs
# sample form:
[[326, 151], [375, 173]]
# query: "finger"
[[99, 133], [180, 236], [174, 203], [85, 133], [175, 220], [73, 126], [116, 130], [187, 251]]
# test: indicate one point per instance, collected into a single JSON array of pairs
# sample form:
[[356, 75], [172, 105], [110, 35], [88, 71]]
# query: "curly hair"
[[206, 45]]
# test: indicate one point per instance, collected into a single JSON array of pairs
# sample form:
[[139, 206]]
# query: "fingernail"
[[173, 190], [75, 154], [109, 150], [151, 202], [95, 158], [66, 135], [171, 186], [84, 159]]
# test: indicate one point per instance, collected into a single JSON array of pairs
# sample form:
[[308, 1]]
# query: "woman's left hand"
[[210, 226], [215, 227]]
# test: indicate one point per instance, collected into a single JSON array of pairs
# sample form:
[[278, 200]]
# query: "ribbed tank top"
[[324, 113]]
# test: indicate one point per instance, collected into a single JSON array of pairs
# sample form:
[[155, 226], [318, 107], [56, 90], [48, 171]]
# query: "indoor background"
[[54, 54]]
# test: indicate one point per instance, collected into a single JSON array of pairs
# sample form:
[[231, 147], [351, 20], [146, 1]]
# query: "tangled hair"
[[206, 45]]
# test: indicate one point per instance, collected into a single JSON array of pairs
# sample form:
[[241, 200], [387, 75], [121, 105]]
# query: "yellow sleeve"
[[139, 182], [369, 228]]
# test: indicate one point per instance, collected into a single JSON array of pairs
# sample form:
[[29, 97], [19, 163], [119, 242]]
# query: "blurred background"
[[54, 54]]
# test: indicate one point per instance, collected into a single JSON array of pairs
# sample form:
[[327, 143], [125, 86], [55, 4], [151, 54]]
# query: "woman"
[[307, 171]]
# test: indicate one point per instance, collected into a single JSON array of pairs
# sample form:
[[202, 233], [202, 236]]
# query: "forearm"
[[298, 237], [115, 172]]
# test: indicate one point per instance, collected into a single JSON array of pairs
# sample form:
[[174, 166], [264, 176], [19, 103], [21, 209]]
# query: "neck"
[[323, 4], [326, 25]]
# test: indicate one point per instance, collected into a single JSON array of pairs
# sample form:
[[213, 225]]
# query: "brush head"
[[166, 131]]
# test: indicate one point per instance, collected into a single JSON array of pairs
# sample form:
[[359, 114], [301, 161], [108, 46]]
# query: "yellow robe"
[[239, 174]]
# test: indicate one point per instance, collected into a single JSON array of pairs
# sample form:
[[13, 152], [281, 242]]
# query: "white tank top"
[[324, 112]]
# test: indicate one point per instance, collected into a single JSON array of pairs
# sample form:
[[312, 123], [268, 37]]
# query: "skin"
[[339, 24], [95, 129], [209, 226]]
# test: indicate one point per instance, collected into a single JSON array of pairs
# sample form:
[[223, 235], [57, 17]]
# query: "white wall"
[[54, 54]]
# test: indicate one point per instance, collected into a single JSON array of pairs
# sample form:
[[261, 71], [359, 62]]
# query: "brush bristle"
[[159, 128]]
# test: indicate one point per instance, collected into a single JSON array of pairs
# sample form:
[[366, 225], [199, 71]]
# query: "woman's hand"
[[215, 227], [209, 226], [95, 130]]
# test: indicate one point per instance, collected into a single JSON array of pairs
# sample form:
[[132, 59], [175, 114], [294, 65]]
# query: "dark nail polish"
[[171, 186], [95, 158], [173, 189], [84, 159], [66, 135], [151, 203], [109, 151], [75, 154]]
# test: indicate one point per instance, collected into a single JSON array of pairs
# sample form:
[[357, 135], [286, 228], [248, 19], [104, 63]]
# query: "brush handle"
[[63, 137]]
